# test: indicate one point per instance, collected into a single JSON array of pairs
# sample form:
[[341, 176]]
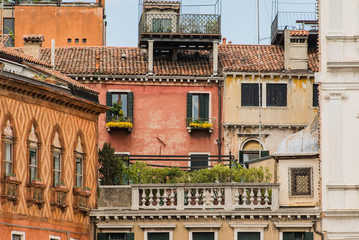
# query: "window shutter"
[[130, 105], [203, 236], [308, 235], [130, 236], [108, 104], [240, 157], [264, 153], [189, 106], [101, 236], [288, 236], [249, 236], [204, 106], [158, 236]]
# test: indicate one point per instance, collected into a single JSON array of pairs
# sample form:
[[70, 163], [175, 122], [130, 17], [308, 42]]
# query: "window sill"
[[35, 193], [9, 191], [190, 129]]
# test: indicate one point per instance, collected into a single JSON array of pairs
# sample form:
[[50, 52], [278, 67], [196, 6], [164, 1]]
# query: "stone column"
[[150, 57]]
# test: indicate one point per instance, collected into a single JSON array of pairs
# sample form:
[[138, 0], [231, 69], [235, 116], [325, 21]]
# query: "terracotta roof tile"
[[299, 33], [130, 61]]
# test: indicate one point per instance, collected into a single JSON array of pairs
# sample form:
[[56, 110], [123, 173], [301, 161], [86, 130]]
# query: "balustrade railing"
[[180, 23], [205, 196]]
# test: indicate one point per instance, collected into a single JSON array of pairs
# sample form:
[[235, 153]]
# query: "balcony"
[[113, 123], [199, 29], [200, 124], [81, 200], [218, 196], [9, 190], [53, 2]]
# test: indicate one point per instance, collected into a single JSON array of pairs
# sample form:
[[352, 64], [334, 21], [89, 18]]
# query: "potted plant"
[[87, 190], [36, 181], [60, 185], [77, 189], [11, 177]]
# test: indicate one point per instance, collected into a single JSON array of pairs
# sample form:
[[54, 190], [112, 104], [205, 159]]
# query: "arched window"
[[250, 150], [34, 146], [57, 152], [79, 155], [8, 139]]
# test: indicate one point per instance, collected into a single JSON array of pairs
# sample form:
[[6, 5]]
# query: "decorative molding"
[[161, 226], [248, 225], [117, 226], [335, 96], [293, 225], [203, 225]]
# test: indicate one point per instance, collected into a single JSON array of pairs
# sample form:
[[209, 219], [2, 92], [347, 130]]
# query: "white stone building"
[[339, 112]]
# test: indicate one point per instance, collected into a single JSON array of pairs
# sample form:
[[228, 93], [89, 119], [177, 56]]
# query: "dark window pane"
[[277, 95], [158, 236], [315, 95], [117, 236], [199, 161], [9, 28], [195, 106], [250, 94], [249, 236], [69, 40], [203, 236]]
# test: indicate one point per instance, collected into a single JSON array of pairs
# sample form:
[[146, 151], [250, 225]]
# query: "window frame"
[[291, 182], [21, 234], [57, 151], [36, 166], [260, 89], [203, 230], [198, 153], [9, 141], [268, 98], [81, 157], [199, 104], [130, 103], [248, 227]]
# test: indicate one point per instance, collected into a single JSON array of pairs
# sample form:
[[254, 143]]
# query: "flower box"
[[119, 125], [36, 181], [200, 126], [87, 190], [11, 177], [77, 190], [60, 185]]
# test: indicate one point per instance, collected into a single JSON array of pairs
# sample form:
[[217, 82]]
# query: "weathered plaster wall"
[[60, 23], [160, 110]]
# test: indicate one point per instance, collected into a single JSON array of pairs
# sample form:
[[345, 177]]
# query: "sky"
[[239, 19]]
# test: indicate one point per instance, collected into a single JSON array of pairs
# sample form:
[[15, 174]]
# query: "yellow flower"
[[201, 125], [119, 125]]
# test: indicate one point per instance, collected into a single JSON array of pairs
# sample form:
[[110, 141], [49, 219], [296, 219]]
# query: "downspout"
[[316, 231], [219, 142]]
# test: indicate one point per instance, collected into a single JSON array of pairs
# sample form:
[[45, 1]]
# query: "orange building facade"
[[68, 23], [48, 151]]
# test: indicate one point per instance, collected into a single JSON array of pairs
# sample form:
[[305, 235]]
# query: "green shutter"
[[249, 236], [204, 106], [130, 105], [130, 236], [108, 104], [158, 236], [240, 157], [264, 153], [203, 235], [101, 236], [308, 236], [189, 106], [288, 236]]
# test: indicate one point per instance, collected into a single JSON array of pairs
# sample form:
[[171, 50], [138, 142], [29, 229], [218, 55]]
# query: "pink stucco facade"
[[160, 112]]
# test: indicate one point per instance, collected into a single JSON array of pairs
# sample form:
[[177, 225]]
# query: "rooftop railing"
[[217, 196], [52, 2], [180, 23]]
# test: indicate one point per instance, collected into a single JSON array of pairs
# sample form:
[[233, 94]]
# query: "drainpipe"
[[316, 231], [219, 121]]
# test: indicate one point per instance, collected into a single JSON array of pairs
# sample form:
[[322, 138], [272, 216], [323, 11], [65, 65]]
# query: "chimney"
[[296, 49], [32, 45], [97, 63], [224, 41], [230, 42]]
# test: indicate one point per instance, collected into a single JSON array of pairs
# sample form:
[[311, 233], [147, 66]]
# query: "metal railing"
[[57, 2], [234, 196], [180, 23]]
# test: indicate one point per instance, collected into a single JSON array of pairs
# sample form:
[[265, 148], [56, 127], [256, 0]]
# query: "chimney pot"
[[230, 42], [33, 44], [224, 41]]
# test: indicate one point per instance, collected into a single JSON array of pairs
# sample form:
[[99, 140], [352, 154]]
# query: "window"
[[162, 25], [33, 163], [297, 236], [79, 170], [250, 151], [199, 161], [57, 167], [84, 40], [115, 236], [69, 40], [158, 236], [77, 40], [315, 95], [15, 235], [9, 28], [202, 235], [125, 99], [248, 236], [276, 95], [198, 107], [54, 237], [250, 94], [300, 181], [8, 157]]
